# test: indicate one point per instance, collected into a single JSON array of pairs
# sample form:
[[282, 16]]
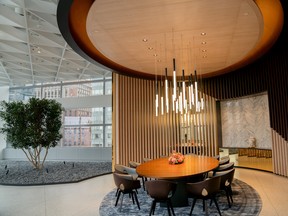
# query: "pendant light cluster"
[[183, 96]]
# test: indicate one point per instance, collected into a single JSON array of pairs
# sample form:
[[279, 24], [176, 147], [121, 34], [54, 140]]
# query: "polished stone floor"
[[84, 198]]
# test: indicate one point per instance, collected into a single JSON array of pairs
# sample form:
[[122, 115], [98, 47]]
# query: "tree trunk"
[[34, 157]]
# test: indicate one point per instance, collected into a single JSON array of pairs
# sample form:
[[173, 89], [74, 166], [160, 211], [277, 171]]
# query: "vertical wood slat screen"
[[280, 154], [140, 134]]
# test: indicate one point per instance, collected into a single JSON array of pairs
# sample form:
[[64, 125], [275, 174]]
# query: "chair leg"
[[121, 202], [230, 192], [118, 195], [132, 196], [136, 198], [168, 209], [228, 197], [152, 208], [117, 191], [171, 206], [143, 182], [205, 207], [192, 207], [215, 201]]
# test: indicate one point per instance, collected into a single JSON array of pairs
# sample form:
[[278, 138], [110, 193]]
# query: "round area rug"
[[246, 202]]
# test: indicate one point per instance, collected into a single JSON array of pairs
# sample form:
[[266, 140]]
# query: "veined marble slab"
[[244, 119]]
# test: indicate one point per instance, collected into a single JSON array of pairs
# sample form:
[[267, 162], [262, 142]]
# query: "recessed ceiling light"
[[145, 40], [205, 56], [155, 55], [203, 33], [150, 48], [203, 42], [204, 50]]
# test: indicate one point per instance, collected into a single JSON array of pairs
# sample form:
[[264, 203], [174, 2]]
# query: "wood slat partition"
[[140, 134], [279, 154]]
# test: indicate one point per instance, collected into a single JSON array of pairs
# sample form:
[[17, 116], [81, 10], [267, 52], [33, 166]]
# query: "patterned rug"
[[246, 202]]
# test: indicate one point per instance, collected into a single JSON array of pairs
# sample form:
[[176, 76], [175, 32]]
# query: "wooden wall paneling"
[[208, 125], [121, 119], [147, 127], [154, 124], [274, 152], [208, 122], [206, 108], [284, 156], [138, 120], [142, 119], [126, 126], [115, 121], [139, 109], [213, 120], [279, 154], [122, 131], [132, 103], [129, 122]]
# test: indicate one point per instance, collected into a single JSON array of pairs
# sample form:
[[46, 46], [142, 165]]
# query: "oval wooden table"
[[192, 166]]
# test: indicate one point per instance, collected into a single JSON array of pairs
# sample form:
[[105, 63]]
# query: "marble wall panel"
[[244, 119]]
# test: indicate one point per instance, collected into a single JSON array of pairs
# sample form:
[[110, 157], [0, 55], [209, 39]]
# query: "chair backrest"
[[226, 177], [160, 189], [208, 187], [225, 167], [224, 160], [133, 164], [146, 159], [125, 169]]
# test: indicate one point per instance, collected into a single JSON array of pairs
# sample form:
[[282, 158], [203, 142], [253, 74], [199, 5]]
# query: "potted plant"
[[33, 127]]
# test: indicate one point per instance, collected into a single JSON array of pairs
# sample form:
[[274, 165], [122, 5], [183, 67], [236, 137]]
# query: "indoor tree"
[[32, 126]]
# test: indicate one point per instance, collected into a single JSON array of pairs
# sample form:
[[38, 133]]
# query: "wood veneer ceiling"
[[236, 33]]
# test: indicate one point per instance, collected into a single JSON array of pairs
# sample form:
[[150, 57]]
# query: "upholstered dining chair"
[[226, 183], [126, 184], [122, 169], [224, 167], [134, 165], [206, 189], [146, 159], [224, 160], [161, 191]]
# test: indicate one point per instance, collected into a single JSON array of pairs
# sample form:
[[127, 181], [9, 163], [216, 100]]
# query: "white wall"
[[244, 118], [4, 95], [66, 153]]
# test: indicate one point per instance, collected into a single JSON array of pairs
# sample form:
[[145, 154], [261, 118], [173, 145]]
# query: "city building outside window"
[[85, 127]]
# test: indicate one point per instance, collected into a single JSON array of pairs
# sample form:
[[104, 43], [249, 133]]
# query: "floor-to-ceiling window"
[[89, 126]]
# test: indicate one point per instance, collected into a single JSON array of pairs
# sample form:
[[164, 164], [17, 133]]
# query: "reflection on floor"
[[260, 163]]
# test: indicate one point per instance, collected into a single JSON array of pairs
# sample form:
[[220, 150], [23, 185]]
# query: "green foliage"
[[32, 126]]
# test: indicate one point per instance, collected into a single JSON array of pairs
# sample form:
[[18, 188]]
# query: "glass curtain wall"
[[85, 127]]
